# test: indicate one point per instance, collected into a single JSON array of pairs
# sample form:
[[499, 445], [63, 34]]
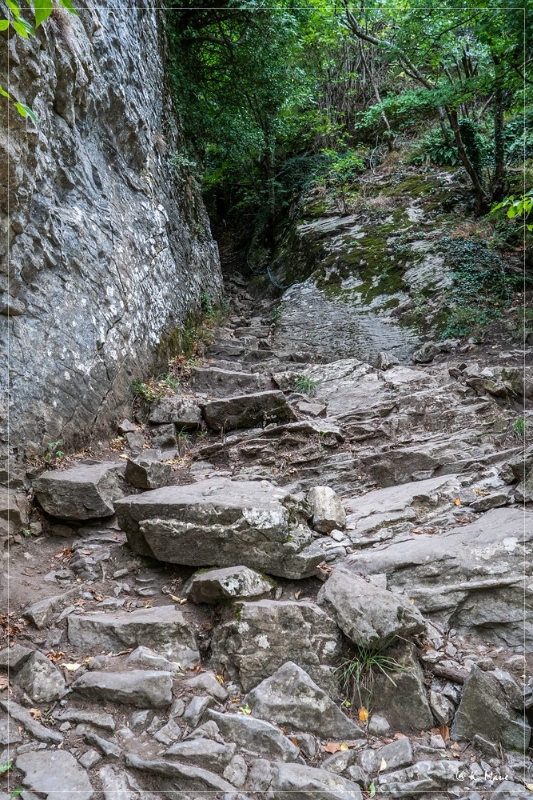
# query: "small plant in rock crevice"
[[54, 454], [357, 672], [520, 428], [305, 385]]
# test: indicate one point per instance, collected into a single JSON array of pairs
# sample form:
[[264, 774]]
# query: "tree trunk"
[[499, 178], [482, 198]]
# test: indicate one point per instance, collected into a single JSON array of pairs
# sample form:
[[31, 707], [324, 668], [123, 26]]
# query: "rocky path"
[[187, 614]]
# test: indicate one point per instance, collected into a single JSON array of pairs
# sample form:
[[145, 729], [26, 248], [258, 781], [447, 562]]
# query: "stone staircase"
[[334, 508]]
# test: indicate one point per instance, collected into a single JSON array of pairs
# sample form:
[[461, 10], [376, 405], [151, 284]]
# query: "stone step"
[[225, 383], [245, 411], [219, 523]]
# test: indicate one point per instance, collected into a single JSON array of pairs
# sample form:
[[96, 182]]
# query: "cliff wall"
[[104, 246]]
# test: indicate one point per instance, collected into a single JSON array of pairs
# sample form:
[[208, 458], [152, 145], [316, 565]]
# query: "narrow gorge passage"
[[266, 364]]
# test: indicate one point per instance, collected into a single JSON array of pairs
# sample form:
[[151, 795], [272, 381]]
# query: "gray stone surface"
[[222, 382], [196, 709], [422, 776], [327, 509], [473, 578], [290, 698], [365, 613], [206, 683], [8, 731], [141, 688], [265, 634], [485, 710], [100, 719], [204, 753], [248, 411], [299, 782], [41, 679], [83, 492], [145, 657], [109, 248], [146, 471], [163, 629], [117, 784], [54, 773], [217, 585], [38, 731], [401, 695], [219, 522], [181, 411], [42, 612], [188, 777], [255, 736]]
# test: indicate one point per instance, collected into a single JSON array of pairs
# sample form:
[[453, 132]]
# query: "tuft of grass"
[[357, 673], [144, 391], [305, 385], [520, 428]]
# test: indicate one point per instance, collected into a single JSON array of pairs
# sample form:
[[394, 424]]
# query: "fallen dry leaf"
[[71, 667], [457, 502], [35, 713], [55, 656], [294, 740], [383, 765], [332, 747], [4, 683], [444, 732], [400, 736], [297, 594], [363, 714]]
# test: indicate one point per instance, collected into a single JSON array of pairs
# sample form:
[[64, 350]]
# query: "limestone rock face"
[[108, 252], [266, 634], [219, 522]]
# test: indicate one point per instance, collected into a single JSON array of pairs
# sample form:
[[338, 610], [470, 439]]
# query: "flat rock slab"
[[185, 776], [162, 629], [223, 382], [220, 523], [299, 782], [83, 492], [141, 688], [147, 471], [265, 634], [289, 697], [248, 410], [255, 735], [470, 578], [38, 731], [42, 612], [230, 583], [54, 774], [366, 614]]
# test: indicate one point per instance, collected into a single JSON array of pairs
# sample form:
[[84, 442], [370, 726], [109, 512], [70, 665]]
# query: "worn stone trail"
[[333, 507]]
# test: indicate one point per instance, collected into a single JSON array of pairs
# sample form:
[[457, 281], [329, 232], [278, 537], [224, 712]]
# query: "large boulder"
[[219, 522], [488, 708], [289, 697], [219, 585], [162, 629], [366, 614], [87, 491], [474, 578], [264, 635], [248, 410]]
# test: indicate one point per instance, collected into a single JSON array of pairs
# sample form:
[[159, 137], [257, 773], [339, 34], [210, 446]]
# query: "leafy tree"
[[40, 10]]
